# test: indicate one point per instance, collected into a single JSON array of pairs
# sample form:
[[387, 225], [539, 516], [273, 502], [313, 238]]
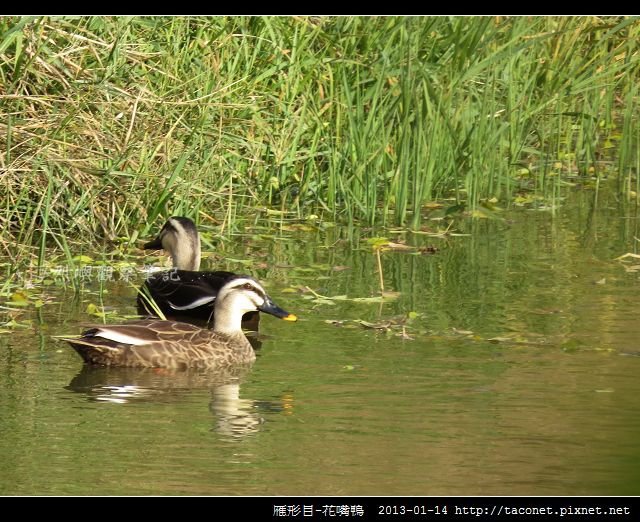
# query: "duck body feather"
[[166, 344]]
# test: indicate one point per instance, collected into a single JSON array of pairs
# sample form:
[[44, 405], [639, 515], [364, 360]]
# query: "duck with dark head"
[[185, 292]]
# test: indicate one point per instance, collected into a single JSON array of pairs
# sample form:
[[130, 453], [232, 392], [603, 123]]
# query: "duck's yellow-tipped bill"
[[269, 307]]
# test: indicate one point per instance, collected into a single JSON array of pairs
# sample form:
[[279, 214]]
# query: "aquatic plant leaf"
[[299, 227], [19, 298], [323, 301], [241, 261], [92, 309], [461, 332], [377, 242], [373, 326], [478, 214], [82, 259], [399, 246]]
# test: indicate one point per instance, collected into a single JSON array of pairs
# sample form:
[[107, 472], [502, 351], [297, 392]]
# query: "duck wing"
[[186, 290], [138, 333]]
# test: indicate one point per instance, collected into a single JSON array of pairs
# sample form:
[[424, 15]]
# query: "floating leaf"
[[300, 269], [241, 261], [628, 254], [94, 310], [19, 298], [373, 326], [27, 323], [323, 301], [500, 339], [300, 227], [462, 332], [399, 246], [377, 242], [377, 299]]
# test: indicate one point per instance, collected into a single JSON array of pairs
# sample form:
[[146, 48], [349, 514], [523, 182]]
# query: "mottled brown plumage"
[[171, 344]]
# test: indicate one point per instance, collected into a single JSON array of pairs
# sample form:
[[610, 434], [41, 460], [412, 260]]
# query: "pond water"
[[507, 365]]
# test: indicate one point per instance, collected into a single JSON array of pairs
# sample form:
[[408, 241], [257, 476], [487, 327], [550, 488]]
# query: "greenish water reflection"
[[520, 377]]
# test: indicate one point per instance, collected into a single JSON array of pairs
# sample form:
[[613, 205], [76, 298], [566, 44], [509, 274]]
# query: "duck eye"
[[247, 286]]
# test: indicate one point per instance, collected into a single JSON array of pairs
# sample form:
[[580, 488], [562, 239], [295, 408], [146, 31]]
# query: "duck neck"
[[227, 321], [187, 258]]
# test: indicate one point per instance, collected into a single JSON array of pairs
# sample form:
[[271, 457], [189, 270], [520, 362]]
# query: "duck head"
[[240, 295], [179, 237]]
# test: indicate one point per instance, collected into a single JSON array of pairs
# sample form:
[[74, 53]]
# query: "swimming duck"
[[171, 344], [185, 292]]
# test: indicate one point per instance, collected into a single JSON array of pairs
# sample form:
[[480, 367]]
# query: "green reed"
[[110, 124]]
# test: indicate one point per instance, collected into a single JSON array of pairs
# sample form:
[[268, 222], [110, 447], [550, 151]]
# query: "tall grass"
[[111, 123]]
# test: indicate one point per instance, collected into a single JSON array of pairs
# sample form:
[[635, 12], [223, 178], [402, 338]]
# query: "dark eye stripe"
[[249, 286]]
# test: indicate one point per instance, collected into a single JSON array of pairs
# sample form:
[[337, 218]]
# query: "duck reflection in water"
[[234, 417]]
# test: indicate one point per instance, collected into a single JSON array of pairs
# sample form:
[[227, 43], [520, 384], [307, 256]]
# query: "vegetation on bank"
[[109, 124]]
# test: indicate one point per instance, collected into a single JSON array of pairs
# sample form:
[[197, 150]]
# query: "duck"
[[184, 292], [155, 343]]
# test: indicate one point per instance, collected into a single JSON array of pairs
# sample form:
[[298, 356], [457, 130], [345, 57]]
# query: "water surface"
[[516, 374]]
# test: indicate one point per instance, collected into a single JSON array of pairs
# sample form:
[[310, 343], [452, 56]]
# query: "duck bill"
[[269, 307], [156, 244]]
